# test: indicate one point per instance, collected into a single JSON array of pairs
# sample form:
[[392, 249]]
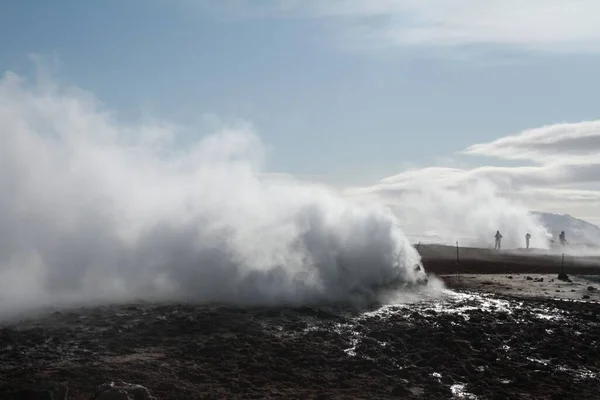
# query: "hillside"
[[577, 230]]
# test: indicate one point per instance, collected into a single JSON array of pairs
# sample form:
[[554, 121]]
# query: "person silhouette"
[[561, 237], [498, 240], [527, 237]]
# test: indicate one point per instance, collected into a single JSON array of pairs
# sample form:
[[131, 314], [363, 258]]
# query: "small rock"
[[401, 391], [529, 278], [509, 277], [591, 288], [114, 394], [563, 277], [30, 394], [61, 393], [557, 291], [585, 296]]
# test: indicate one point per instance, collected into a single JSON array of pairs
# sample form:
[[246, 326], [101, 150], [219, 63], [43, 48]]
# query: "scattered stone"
[[240, 356], [529, 278], [563, 277], [114, 394], [29, 394], [401, 391], [591, 288], [509, 277], [557, 291], [585, 297], [61, 393]]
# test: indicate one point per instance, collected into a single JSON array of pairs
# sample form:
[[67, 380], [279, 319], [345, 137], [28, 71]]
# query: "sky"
[[373, 97]]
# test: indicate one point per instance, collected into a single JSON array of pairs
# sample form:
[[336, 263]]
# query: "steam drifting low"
[[92, 210]]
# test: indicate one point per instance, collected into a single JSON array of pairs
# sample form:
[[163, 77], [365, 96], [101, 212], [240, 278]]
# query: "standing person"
[[498, 240], [527, 237], [562, 238]]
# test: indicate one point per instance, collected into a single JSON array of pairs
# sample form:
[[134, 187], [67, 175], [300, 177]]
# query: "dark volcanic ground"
[[441, 260], [492, 337], [460, 346]]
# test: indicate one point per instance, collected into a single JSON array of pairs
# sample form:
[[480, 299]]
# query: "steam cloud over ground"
[[92, 210], [96, 210], [446, 210]]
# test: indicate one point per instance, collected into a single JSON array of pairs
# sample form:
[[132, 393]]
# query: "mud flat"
[[508, 339]]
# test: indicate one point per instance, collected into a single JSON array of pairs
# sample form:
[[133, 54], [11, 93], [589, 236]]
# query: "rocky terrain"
[[474, 340]]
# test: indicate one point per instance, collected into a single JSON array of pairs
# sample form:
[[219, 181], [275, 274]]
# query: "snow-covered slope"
[[577, 231]]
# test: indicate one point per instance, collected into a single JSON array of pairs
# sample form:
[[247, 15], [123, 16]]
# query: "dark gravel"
[[506, 349]]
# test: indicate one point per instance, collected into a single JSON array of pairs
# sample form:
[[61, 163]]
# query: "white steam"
[[91, 210], [470, 215], [445, 209]]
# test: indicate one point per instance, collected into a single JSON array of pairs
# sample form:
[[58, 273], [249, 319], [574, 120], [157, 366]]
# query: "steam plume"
[[95, 210]]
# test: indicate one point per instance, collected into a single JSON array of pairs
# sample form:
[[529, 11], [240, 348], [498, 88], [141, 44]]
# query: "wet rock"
[[61, 393], [122, 391], [30, 394], [401, 391], [502, 315], [114, 394]]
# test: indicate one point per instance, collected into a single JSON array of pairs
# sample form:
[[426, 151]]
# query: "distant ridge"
[[576, 230]]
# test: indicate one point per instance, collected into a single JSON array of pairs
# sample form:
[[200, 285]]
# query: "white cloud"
[[547, 25], [560, 143], [563, 179]]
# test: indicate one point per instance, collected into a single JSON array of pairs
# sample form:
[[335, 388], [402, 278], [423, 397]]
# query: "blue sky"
[[348, 91]]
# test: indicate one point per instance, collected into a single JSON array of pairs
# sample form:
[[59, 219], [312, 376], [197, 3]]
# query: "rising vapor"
[[93, 210]]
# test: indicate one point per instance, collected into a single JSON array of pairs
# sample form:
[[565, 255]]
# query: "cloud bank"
[[553, 144], [542, 25], [564, 177]]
